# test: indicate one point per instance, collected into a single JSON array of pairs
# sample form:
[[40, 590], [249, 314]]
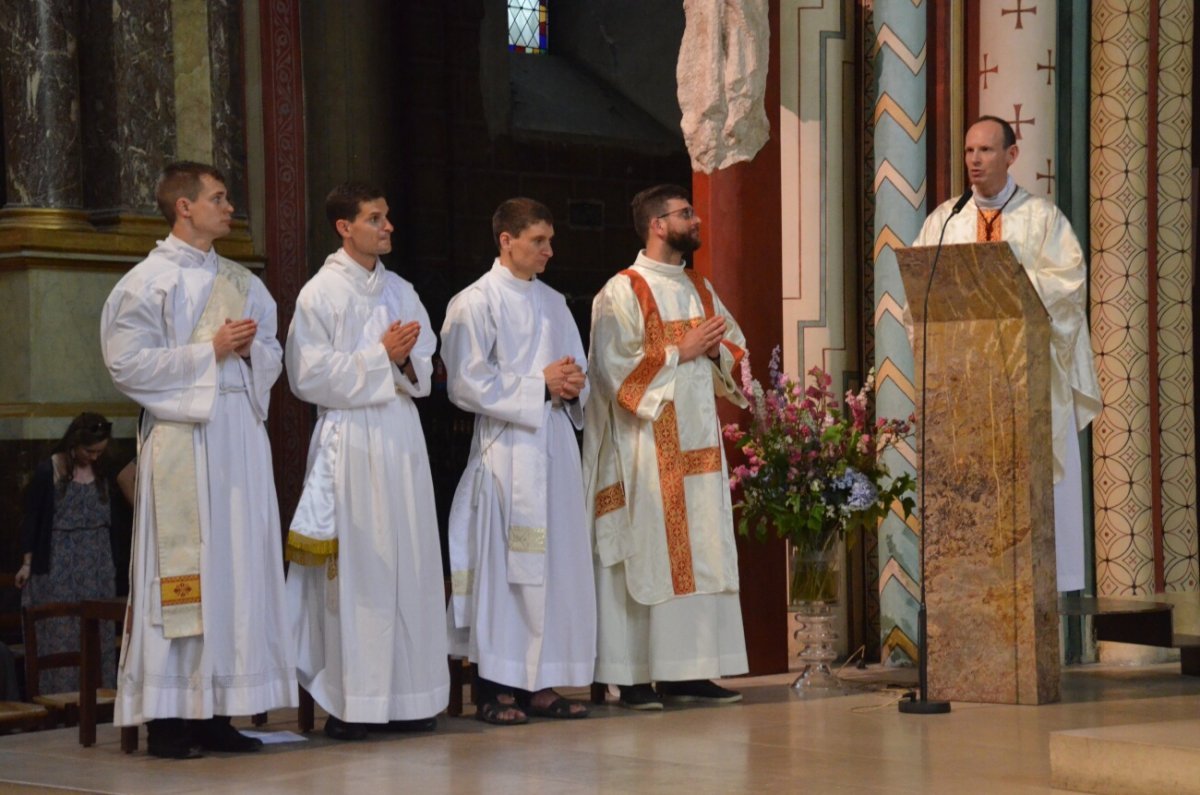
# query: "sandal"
[[493, 711], [559, 708]]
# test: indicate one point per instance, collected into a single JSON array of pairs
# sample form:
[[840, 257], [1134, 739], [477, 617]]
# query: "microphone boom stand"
[[919, 703]]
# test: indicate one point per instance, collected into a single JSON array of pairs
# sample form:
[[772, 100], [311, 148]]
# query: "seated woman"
[[74, 516]]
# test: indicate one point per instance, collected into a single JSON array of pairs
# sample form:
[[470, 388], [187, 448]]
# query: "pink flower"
[[747, 378]]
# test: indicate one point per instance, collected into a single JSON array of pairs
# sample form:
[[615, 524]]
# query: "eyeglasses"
[[686, 213]]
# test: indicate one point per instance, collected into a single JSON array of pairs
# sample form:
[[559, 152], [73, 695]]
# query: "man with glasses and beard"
[[663, 350]]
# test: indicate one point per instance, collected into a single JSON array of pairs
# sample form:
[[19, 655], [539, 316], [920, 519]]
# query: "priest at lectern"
[[1044, 243]]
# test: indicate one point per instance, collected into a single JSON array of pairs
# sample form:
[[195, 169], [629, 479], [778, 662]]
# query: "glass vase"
[[813, 596]]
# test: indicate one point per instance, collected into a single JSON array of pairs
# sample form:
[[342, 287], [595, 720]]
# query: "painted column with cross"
[[1016, 82]]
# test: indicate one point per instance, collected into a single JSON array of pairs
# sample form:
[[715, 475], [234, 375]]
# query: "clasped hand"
[[704, 339], [564, 378], [399, 339], [234, 336]]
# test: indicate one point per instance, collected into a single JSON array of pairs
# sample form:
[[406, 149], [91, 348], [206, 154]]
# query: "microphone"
[[961, 203], [958, 205], [918, 703]]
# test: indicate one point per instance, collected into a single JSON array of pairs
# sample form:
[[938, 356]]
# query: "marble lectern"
[[989, 523]]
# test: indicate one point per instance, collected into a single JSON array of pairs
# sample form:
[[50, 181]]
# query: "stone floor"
[[772, 742]]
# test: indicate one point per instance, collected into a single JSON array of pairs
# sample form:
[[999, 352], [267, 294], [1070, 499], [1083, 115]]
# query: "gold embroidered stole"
[[987, 226], [173, 476]]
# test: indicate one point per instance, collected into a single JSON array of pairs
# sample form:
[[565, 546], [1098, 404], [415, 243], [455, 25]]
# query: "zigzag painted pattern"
[[889, 174], [888, 38], [886, 104], [899, 212]]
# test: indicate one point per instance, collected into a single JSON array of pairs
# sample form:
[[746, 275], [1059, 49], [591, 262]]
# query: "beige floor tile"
[[772, 742]]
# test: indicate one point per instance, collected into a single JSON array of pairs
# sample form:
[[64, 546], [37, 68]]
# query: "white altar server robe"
[[370, 632], [242, 663], [524, 605]]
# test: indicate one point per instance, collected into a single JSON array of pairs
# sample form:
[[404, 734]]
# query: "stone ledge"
[[1133, 759]]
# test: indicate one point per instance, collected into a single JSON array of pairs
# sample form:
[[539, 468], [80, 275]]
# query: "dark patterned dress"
[[81, 567]]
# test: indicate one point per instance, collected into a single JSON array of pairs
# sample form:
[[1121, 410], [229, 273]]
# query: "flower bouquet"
[[813, 469]]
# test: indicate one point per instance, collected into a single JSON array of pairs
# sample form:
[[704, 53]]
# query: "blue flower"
[[862, 492]]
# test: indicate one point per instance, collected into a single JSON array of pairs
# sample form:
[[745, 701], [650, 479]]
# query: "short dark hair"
[[181, 180], [651, 203], [345, 200], [1010, 137], [515, 215]]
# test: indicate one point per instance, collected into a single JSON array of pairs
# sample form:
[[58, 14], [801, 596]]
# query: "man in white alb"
[[190, 336], [365, 589], [663, 351], [524, 605], [1045, 245]]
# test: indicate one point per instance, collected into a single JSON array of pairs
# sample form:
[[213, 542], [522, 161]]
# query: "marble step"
[[1123, 620], [1135, 759], [1130, 621]]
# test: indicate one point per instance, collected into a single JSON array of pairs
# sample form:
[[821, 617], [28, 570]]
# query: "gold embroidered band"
[[462, 582], [609, 499], [180, 590], [308, 551], [526, 539]]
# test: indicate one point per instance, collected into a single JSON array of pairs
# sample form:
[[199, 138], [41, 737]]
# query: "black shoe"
[[698, 690], [641, 697], [171, 738], [420, 725], [337, 729], [217, 734]]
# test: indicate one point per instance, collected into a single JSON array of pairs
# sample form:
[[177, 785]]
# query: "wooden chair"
[[23, 716], [459, 668], [16, 715], [63, 706], [10, 622], [305, 716], [92, 612]]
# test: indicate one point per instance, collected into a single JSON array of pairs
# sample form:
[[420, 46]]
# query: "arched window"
[[527, 26]]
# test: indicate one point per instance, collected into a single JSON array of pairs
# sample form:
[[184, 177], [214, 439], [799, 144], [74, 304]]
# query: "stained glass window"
[[527, 26]]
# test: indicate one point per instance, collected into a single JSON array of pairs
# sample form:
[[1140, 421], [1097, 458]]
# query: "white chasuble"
[[241, 663], [523, 604], [1045, 245], [367, 619]]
